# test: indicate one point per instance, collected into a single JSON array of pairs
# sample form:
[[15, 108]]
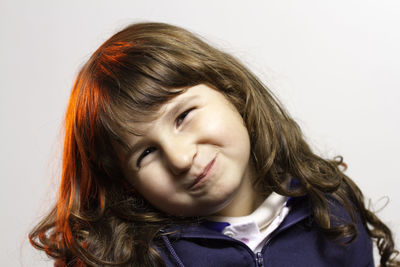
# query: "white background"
[[334, 64]]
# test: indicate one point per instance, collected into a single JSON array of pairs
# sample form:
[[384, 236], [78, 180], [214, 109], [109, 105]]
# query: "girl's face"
[[194, 158]]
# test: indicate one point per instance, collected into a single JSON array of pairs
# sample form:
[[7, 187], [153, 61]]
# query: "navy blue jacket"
[[296, 242]]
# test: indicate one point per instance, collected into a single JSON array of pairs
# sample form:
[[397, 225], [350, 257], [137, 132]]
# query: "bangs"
[[139, 69], [128, 108]]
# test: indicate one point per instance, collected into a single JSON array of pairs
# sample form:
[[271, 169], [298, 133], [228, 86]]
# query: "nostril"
[[179, 163], [179, 154]]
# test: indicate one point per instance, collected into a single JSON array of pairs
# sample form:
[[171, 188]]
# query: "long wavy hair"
[[100, 220]]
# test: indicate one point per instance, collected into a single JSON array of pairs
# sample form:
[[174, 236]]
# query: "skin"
[[194, 158]]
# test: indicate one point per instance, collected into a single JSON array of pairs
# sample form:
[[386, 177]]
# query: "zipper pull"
[[259, 259]]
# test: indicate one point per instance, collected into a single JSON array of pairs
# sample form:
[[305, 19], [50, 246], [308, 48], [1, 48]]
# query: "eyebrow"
[[169, 115], [173, 112]]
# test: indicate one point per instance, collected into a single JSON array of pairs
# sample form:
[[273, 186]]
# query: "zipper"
[[172, 251], [259, 259], [273, 234], [282, 228]]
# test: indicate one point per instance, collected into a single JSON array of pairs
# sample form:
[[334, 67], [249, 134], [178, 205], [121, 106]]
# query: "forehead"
[[169, 109]]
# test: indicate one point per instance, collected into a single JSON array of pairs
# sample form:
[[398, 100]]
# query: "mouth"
[[202, 177]]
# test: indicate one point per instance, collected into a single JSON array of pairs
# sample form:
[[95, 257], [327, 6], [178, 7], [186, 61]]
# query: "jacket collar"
[[300, 210]]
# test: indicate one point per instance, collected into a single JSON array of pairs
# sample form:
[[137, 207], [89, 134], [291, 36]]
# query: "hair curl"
[[99, 220]]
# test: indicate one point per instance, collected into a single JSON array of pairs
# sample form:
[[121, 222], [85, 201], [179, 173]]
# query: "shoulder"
[[299, 240]]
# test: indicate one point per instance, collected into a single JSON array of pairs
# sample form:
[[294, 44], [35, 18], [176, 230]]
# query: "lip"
[[200, 179]]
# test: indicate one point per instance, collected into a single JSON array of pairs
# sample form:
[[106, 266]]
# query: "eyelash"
[[144, 154], [182, 116], [149, 150]]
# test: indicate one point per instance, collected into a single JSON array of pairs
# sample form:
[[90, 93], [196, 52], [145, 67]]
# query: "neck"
[[245, 201]]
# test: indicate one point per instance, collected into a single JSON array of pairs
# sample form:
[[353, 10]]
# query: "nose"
[[179, 154]]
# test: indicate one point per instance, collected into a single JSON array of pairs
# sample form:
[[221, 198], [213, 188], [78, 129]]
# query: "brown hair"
[[100, 220]]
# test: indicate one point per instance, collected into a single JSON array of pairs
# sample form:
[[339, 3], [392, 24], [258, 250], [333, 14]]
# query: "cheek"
[[153, 183], [229, 130]]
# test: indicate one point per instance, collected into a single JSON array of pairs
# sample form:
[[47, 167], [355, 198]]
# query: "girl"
[[175, 154]]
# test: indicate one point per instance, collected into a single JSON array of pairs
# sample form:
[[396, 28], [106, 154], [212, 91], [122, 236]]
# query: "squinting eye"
[[144, 154], [181, 117]]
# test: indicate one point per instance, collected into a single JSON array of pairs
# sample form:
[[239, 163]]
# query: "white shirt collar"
[[262, 216]]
